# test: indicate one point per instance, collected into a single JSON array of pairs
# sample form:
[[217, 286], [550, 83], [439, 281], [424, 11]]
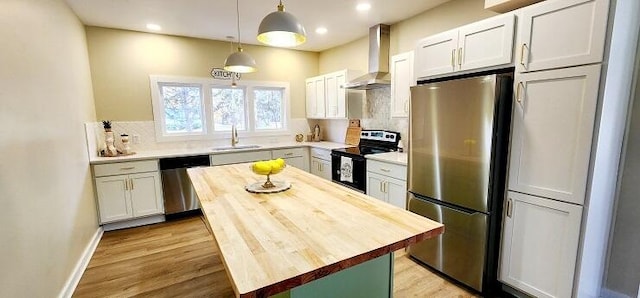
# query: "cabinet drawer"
[[321, 153], [239, 157], [120, 168], [387, 169], [287, 153]]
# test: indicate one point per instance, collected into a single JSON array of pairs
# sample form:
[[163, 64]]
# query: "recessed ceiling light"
[[363, 7], [321, 30], [154, 27]]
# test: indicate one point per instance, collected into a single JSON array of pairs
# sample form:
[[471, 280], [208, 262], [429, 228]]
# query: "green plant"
[[106, 124]]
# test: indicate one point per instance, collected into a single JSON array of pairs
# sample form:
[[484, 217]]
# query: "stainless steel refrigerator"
[[458, 144]]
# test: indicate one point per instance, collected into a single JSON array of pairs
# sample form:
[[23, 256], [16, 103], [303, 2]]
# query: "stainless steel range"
[[349, 166]]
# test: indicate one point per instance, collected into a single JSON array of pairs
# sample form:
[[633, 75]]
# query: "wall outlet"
[[135, 139]]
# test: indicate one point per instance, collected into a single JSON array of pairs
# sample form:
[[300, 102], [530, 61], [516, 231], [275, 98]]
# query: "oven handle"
[[358, 158]]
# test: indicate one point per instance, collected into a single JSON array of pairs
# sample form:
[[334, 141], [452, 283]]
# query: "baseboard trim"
[[606, 293], [134, 222], [81, 265]]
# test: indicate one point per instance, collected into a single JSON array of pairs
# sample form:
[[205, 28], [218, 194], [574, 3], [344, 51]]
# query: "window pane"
[[182, 109], [228, 108], [268, 107]]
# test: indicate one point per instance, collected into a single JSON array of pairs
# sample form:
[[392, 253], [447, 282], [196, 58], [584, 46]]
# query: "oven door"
[[349, 170]]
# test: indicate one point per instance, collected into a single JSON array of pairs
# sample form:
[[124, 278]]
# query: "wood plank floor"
[[179, 259]]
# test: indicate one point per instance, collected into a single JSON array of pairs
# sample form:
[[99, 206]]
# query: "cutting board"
[[353, 136]]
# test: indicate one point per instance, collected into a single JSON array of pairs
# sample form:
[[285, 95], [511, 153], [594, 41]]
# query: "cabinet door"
[[552, 130], [113, 198], [310, 96], [335, 95], [297, 162], [436, 54], [315, 167], [320, 97], [375, 184], [325, 169], [401, 80], [315, 97], [396, 191], [539, 245], [486, 43], [146, 194], [557, 34]]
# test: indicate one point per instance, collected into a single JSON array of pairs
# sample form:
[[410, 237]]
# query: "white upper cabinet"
[[335, 95], [315, 97], [486, 43], [555, 34], [326, 97], [481, 44], [401, 80], [436, 54], [539, 245], [552, 130]]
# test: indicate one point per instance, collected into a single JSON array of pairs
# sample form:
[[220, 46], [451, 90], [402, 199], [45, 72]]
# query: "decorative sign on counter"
[[219, 73]]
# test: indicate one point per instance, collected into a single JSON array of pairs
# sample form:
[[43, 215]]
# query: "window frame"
[[206, 84]]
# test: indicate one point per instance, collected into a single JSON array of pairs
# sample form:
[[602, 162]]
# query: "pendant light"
[[240, 61], [281, 29]]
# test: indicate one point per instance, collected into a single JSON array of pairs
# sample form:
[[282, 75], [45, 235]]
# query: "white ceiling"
[[216, 19]]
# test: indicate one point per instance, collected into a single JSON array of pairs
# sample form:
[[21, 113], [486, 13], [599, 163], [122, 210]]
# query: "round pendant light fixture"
[[240, 61], [281, 29]]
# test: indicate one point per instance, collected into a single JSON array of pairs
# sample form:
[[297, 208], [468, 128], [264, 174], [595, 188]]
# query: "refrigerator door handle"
[[458, 209], [509, 207]]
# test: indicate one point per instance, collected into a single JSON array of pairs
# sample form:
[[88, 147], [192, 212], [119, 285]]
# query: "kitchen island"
[[317, 239]]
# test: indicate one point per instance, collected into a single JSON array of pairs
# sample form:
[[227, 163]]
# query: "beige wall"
[[48, 212], [121, 62], [405, 34]]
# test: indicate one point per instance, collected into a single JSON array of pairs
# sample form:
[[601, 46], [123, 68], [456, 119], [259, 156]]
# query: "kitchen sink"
[[226, 148]]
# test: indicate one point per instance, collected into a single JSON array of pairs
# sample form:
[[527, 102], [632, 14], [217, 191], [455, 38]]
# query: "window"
[[182, 109], [228, 108], [268, 108], [201, 108]]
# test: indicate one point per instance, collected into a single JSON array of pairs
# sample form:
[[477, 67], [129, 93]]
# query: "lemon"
[[281, 162], [276, 167], [261, 167]]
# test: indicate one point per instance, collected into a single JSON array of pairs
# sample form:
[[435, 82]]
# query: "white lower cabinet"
[[295, 157], [321, 163], [539, 245], [125, 194], [239, 157], [383, 183]]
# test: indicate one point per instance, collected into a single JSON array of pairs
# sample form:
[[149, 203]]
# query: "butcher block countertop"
[[270, 243]]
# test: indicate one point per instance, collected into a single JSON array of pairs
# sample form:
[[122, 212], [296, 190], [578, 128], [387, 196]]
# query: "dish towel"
[[346, 169]]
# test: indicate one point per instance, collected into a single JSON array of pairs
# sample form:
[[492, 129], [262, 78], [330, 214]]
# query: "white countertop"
[[154, 154], [391, 157]]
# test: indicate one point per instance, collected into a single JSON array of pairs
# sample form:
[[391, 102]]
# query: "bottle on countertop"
[[316, 133]]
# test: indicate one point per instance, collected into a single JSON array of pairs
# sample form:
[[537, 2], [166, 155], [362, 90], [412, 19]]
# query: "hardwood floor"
[[179, 259]]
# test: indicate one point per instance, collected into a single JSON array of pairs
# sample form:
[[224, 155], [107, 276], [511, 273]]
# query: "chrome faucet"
[[234, 136]]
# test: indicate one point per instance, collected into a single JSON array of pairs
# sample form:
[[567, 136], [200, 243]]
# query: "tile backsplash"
[[376, 114], [145, 133]]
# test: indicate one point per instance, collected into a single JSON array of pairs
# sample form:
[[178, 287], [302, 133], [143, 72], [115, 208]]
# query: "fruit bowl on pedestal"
[[268, 168]]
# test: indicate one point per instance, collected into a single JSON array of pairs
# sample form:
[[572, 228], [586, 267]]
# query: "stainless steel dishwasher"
[[179, 196]]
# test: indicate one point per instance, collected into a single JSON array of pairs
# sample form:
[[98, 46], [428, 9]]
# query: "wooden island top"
[[270, 243]]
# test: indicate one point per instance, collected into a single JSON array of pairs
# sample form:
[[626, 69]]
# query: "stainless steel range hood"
[[378, 76]]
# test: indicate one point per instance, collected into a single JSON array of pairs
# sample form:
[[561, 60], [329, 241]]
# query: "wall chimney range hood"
[[378, 76]]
